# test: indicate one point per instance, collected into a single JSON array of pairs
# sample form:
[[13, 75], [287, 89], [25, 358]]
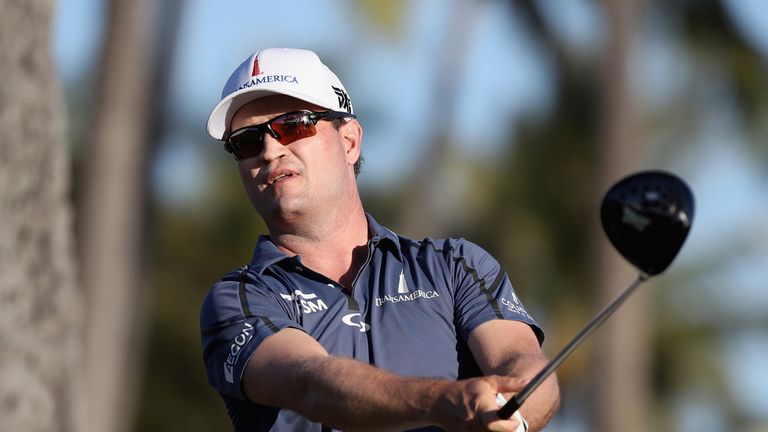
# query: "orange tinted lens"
[[293, 128]]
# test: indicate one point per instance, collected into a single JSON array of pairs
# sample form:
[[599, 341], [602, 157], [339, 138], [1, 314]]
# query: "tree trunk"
[[622, 373], [425, 208], [40, 303], [113, 212]]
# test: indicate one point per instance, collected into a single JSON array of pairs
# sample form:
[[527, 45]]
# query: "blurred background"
[[500, 121]]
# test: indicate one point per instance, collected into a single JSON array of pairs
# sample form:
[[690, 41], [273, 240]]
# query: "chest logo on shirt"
[[307, 302], [402, 287], [404, 293], [356, 320]]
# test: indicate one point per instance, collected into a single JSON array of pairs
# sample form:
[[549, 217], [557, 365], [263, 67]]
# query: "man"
[[338, 323]]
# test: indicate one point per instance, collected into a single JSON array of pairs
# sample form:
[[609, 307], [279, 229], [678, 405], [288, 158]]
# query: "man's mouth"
[[279, 176]]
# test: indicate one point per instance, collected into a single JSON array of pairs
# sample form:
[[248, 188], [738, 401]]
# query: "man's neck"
[[334, 245]]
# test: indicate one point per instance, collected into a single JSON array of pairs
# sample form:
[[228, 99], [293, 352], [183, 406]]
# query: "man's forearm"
[[290, 370], [542, 404], [352, 395]]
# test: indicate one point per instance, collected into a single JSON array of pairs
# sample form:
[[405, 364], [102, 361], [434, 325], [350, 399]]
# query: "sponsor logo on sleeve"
[[234, 351], [515, 305]]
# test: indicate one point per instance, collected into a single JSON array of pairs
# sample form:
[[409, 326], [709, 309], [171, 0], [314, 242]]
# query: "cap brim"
[[221, 116]]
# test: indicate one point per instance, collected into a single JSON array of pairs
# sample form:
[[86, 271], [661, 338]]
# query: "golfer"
[[338, 323]]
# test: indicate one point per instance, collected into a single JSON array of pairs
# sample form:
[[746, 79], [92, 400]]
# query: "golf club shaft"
[[510, 407]]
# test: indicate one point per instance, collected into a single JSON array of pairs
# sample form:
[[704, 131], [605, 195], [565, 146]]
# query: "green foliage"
[[189, 251], [386, 16]]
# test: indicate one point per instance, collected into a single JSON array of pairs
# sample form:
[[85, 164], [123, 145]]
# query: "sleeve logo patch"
[[234, 352]]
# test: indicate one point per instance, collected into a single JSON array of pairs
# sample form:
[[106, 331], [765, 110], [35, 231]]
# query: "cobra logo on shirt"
[[356, 320]]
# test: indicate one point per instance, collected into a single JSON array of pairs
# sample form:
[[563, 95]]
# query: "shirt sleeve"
[[483, 290], [237, 315]]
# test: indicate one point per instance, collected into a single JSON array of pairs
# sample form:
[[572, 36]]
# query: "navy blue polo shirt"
[[412, 307]]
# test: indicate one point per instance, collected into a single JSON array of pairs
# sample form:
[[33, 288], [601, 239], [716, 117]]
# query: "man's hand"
[[471, 405], [510, 348]]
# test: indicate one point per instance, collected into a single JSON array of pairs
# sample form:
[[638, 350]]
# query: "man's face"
[[305, 176]]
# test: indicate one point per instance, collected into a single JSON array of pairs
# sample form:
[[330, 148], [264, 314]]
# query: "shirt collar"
[[383, 236], [267, 253]]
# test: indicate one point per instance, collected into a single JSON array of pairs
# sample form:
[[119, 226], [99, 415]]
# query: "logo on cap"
[[256, 70], [344, 102]]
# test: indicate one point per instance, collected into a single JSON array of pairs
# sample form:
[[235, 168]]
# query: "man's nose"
[[273, 149]]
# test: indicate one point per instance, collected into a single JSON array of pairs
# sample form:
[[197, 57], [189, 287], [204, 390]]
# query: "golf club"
[[647, 217]]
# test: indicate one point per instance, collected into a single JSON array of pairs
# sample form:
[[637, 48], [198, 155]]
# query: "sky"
[[214, 39], [390, 80]]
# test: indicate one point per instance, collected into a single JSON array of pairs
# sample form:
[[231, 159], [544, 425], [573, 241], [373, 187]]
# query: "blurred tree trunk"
[[113, 212], [622, 372], [40, 303], [427, 207]]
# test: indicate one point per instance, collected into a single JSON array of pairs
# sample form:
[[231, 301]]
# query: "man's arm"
[[291, 370], [510, 348]]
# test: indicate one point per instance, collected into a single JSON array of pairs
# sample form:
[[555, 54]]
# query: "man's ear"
[[352, 135]]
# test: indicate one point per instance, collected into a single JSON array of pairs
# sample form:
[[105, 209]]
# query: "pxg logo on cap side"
[[345, 103]]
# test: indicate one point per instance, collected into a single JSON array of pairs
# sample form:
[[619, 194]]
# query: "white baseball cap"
[[293, 72]]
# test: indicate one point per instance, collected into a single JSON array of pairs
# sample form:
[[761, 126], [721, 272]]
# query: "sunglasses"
[[248, 141]]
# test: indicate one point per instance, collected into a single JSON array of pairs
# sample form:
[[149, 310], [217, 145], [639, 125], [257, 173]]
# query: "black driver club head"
[[647, 217]]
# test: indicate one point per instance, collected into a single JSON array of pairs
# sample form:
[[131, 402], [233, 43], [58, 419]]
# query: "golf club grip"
[[510, 407], [517, 400]]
